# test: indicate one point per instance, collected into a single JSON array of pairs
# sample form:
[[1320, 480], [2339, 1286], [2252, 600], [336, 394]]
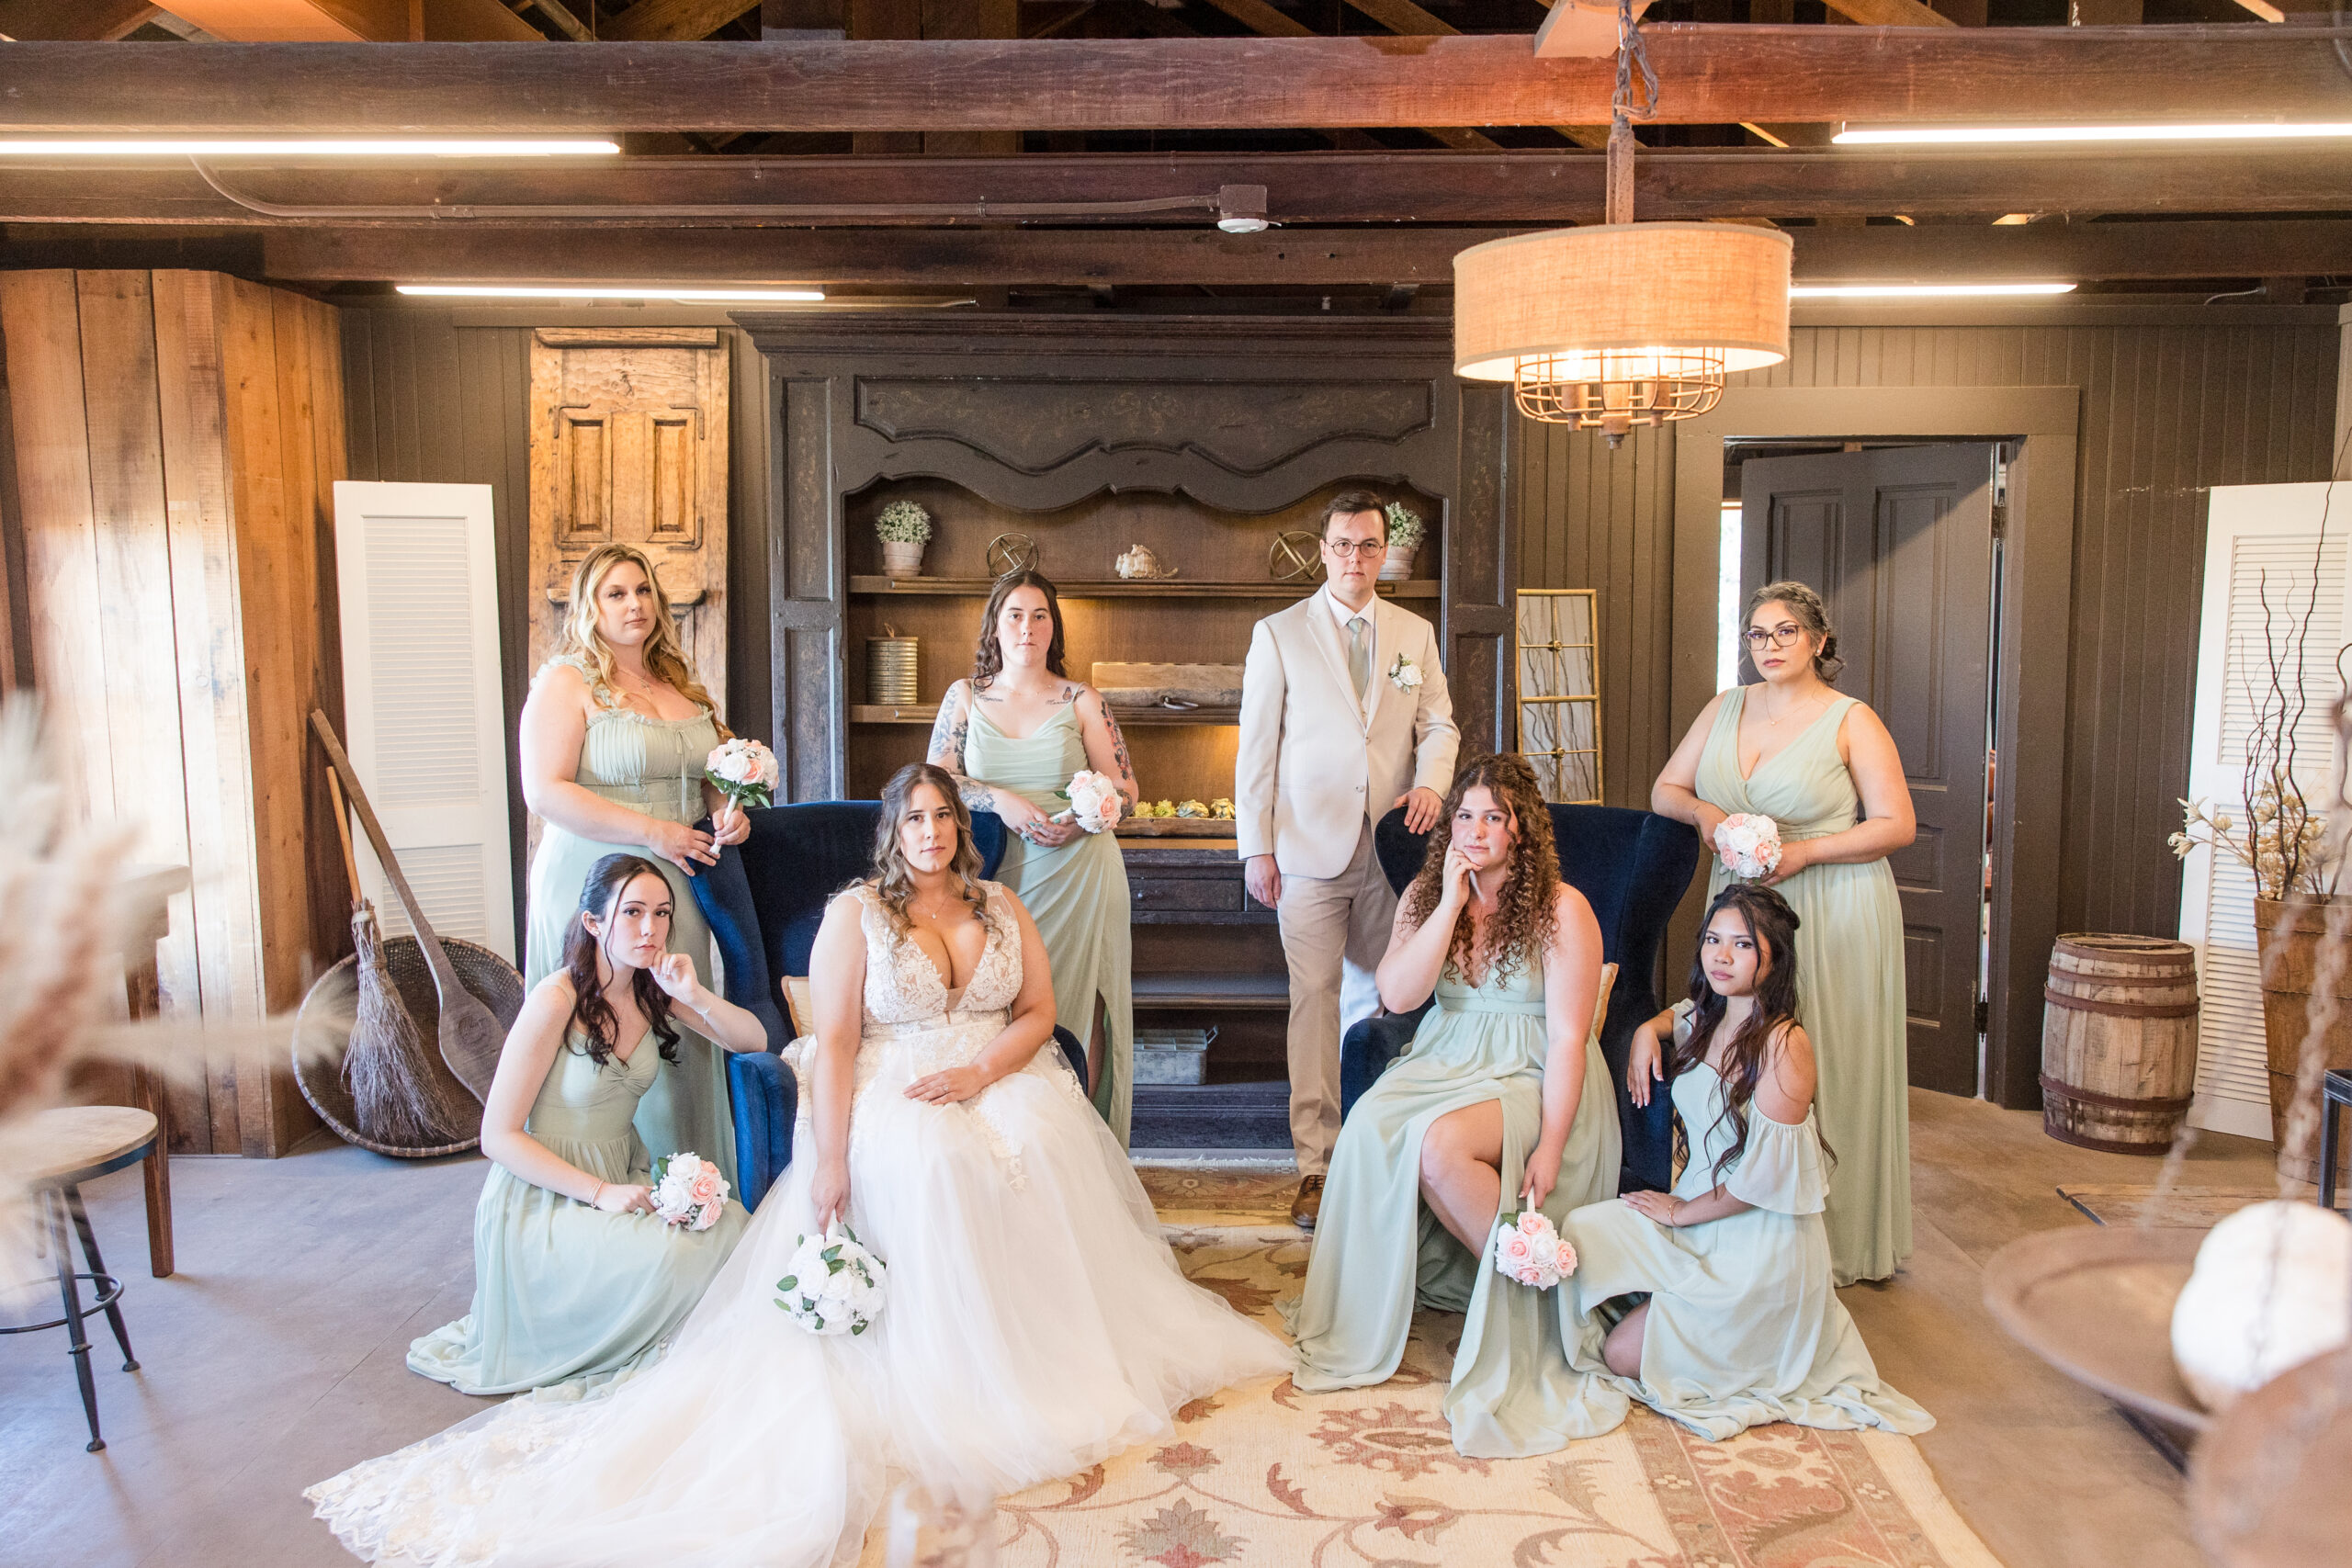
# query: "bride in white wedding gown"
[[1033, 1320]]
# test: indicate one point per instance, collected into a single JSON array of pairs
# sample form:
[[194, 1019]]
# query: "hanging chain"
[[1631, 53]]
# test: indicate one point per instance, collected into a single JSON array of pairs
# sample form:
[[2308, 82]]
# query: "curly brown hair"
[[1527, 914], [893, 880]]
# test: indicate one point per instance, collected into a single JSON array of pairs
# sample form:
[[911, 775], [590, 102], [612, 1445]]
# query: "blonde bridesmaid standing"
[[1823, 768], [614, 736]]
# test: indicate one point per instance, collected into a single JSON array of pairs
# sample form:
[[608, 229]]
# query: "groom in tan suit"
[[1344, 716]]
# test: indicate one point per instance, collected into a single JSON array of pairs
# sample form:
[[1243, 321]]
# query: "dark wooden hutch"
[[1202, 438]]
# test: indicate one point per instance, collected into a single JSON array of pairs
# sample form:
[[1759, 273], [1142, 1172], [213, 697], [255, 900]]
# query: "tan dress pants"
[[1335, 931]]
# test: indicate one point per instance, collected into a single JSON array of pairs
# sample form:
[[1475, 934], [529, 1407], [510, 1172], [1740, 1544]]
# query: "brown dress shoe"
[[1304, 1208]]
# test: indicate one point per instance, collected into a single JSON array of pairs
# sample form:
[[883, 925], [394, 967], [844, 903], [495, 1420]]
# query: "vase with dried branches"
[[2295, 848]]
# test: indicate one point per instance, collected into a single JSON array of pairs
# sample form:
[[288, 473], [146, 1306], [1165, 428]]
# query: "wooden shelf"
[[1163, 588], [1161, 993], [924, 713]]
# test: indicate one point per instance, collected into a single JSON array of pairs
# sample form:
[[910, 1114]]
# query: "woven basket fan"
[[323, 1027]]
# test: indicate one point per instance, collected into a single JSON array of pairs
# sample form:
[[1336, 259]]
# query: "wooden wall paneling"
[[275, 592], [15, 616], [135, 620], [1479, 623], [750, 692], [810, 581], [214, 694]]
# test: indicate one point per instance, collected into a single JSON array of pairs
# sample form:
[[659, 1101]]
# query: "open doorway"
[[1899, 537]]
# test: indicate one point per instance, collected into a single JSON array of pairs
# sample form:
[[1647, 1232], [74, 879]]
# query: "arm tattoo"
[[1119, 749], [948, 732]]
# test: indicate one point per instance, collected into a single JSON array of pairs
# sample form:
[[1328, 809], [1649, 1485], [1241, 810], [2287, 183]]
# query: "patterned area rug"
[[1238, 1192], [1264, 1474]]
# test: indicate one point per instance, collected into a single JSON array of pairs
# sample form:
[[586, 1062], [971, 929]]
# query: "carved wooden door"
[[628, 442], [1899, 542]]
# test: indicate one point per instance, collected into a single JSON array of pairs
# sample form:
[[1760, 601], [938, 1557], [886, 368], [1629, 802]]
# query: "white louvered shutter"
[[423, 716], [2263, 542]]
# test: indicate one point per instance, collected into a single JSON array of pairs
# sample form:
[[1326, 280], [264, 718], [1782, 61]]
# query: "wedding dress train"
[[1033, 1322]]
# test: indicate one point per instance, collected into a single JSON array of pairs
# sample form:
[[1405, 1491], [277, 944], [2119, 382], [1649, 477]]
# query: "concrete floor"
[[274, 1357]]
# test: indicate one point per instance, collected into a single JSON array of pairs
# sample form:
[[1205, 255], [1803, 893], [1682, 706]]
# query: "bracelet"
[[1674, 1216], [596, 1194]]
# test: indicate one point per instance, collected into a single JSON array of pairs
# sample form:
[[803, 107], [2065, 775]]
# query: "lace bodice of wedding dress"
[[1033, 1322]]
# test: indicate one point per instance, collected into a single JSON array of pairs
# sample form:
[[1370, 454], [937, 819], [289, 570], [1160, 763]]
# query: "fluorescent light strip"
[[536, 291], [1921, 291], [312, 147], [1915, 135]]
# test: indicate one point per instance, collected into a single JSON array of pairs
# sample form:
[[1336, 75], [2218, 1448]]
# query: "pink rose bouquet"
[[689, 1190], [744, 772], [1531, 1251], [1750, 845], [1094, 802]]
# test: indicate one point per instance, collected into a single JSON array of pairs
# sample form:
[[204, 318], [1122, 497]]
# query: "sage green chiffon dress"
[[1379, 1251], [1849, 980], [655, 766], [1744, 1327], [1077, 893], [564, 1293]]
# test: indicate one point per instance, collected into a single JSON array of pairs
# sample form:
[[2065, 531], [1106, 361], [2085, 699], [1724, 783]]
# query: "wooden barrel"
[[2118, 1042]]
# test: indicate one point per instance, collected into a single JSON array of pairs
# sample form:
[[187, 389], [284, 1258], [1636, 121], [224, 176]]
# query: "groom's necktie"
[[1359, 655]]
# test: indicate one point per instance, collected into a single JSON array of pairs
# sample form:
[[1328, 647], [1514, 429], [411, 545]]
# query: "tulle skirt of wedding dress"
[[1033, 1322]]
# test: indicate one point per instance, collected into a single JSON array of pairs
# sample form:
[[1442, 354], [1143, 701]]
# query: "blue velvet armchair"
[[1633, 866], [764, 900]]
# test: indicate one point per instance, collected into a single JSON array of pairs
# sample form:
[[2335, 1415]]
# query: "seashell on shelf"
[[1139, 562]]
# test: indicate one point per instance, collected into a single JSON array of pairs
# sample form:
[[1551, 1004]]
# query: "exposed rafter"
[[963, 257], [1712, 75], [1301, 188]]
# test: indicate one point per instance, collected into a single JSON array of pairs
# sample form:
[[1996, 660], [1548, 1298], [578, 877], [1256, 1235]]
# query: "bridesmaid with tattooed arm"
[[1012, 735]]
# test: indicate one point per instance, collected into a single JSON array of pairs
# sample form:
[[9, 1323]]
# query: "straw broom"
[[395, 1096]]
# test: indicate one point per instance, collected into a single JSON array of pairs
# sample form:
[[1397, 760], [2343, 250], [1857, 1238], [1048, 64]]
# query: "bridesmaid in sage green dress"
[[1012, 735], [1741, 1326], [614, 736], [576, 1280], [1825, 769], [1503, 1093]]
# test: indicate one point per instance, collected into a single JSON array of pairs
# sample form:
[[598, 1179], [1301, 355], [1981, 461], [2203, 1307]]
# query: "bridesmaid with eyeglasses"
[[1825, 769]]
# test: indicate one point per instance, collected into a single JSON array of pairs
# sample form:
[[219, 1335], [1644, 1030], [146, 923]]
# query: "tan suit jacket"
[[1314, 763]]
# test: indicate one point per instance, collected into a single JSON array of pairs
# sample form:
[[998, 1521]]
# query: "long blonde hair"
[[664, 659]]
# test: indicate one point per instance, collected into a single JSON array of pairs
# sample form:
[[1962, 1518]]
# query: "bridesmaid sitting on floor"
[[1502, 1094], [575, 1279], [1741, 1326]]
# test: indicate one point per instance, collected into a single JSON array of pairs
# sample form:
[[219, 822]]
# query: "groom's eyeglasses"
[[1355, 546]]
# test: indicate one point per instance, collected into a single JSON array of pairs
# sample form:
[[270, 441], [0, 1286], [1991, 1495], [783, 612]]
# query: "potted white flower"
[[904, 529], [1405, 531]]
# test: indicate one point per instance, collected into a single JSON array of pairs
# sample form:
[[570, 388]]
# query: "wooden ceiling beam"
[[960, 257], [1714, 74], [356, 21], [25, 20], [1408, 19], [1306, 187], [1267, 22]]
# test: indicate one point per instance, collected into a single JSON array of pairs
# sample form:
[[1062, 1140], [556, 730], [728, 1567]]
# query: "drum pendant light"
[[1623, 323]]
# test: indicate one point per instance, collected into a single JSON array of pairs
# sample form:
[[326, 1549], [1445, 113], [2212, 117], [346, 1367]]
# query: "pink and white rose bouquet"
[[1095, 802], [743, 771], [834, 1285], [689, 1190], [1530, 1250], [1750, 845]]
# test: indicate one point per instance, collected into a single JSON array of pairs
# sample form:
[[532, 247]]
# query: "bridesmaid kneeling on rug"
[[1742, 1324], [1504, 1091], [575, 1277]]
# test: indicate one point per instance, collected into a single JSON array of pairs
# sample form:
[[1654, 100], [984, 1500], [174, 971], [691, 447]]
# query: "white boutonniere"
[[1405, 675]]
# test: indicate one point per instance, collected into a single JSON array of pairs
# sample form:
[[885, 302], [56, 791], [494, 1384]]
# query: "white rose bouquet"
[[689, 1190], [1530, 1250], [1750, 845], [744, 772], [1095, 802], [835, 1285]]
